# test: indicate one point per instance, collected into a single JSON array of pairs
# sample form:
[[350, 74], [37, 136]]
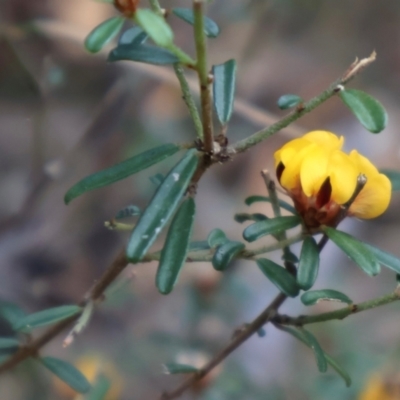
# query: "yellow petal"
[[290, 178], [289, 150], [314, 170], [374, 199], [343, 173], [363, 164], [325, 139]]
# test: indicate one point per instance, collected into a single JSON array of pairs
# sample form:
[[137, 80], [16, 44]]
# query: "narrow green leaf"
[[8, 343], [11, 312], [133, 37], [121, 171], [278, 275], [103, 34], [67, 373], [367, 109], [309, 340], [243, 217], [46, 317], [394, 177], [289, 101], [283, 204], [355, 249], [161, 207], [385, 258], [338, 369], [309, 264], [211, 29], [216, 238], [224, 89], [201, 245], [175, 368], [225, 254], [143, 53], [155, 26], [269, 226], [315, 296], [173, 254], [100, 388]]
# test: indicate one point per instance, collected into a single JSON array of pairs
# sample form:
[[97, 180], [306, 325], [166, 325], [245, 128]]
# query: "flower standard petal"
[[325, 139]]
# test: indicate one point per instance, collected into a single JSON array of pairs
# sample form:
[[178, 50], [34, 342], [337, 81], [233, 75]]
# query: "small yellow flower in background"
[[377, 388], [93, 366], [320, 178]]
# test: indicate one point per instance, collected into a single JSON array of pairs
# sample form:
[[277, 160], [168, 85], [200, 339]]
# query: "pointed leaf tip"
[[279, 276], [103, 34], [369, 111], [173, 254], [355, 249], [309, 264], [121, 171], [161, 207], [224, 89], [67, 373]]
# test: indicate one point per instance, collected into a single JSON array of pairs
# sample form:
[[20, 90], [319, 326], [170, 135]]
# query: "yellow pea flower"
[[379, 388], [320, 178]]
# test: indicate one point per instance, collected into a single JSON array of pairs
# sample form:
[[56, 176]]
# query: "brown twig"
[[95, 294], [241, 337]]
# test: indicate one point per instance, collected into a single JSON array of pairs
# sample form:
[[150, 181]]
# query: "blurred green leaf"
[[289, 101], [46, 317], [133, 37], [211, 29], [161, 207], [130, 211], [367, 109], [225, 254], [103, 34], [385, 258], [175, 368], [283, 204], [173, 254], [394, 177], [355, 249], [155, 26], [11, 312], [121, 171], [309, 264], [269, 226], [243, 217], [309, 339], [8, 343], [216, 238], [67, 373], [143, 53], [224, 89], [279, 276], [315, 296], [100, 388], [338, 369]]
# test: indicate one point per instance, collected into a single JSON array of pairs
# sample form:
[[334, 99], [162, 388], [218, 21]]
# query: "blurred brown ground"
[[69, 114]]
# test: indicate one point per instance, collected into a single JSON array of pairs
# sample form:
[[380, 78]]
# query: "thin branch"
[[188, 98], [95, 294], [333, 89], [338, 314], [236, 341], [202, 71]]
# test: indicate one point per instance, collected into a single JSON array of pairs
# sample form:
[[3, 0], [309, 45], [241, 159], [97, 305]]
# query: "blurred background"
[[65, 114]]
